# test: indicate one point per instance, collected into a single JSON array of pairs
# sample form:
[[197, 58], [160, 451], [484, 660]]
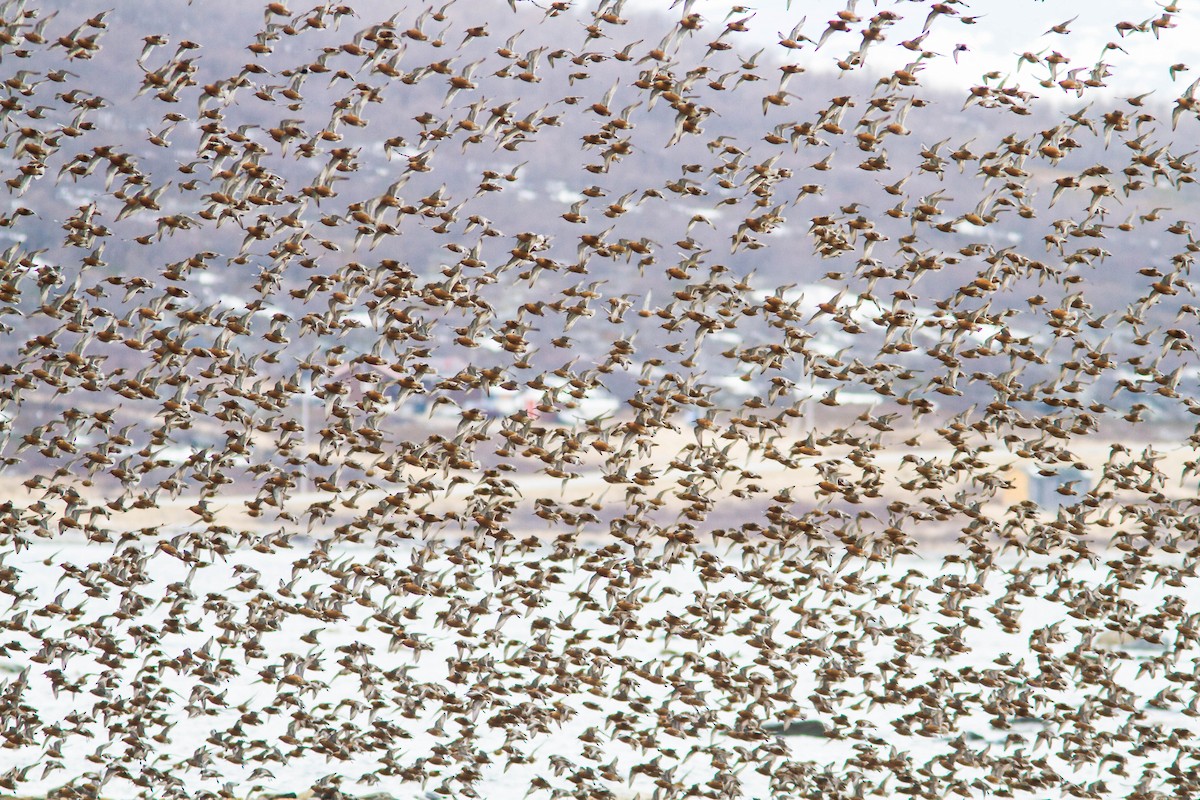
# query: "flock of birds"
[[652, 601]]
